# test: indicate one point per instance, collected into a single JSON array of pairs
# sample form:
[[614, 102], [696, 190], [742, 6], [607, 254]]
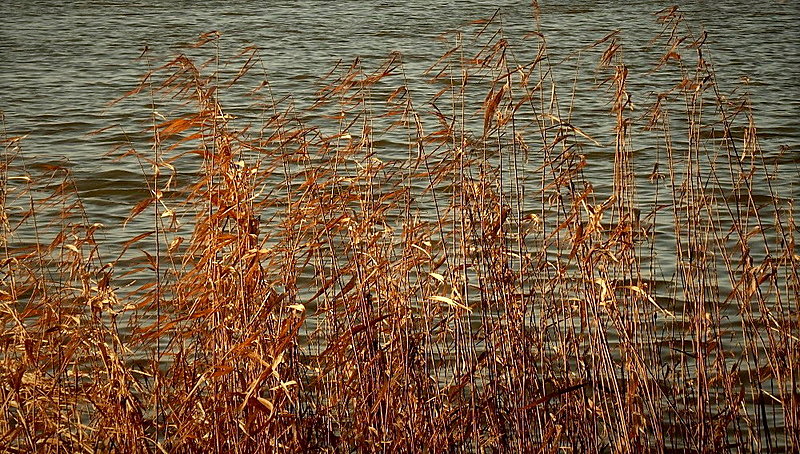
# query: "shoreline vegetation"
[[298, 288]]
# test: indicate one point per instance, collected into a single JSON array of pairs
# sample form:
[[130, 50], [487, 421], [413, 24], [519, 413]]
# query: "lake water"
[[62, 62]]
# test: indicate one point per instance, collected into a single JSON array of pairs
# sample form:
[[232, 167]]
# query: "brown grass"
[[301, 286]]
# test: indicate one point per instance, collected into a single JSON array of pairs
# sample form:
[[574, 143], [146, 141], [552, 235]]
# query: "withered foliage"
[[412, 269]]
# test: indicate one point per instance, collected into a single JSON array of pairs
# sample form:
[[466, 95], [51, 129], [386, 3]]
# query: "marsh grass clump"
[[398, 268]]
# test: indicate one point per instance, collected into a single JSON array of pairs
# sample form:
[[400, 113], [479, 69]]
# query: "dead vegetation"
[[390, 271]]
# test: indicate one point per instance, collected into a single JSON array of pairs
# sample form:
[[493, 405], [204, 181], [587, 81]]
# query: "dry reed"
[[301, 285]]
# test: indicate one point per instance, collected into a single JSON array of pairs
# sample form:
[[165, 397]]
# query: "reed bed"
[[400, 268]]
